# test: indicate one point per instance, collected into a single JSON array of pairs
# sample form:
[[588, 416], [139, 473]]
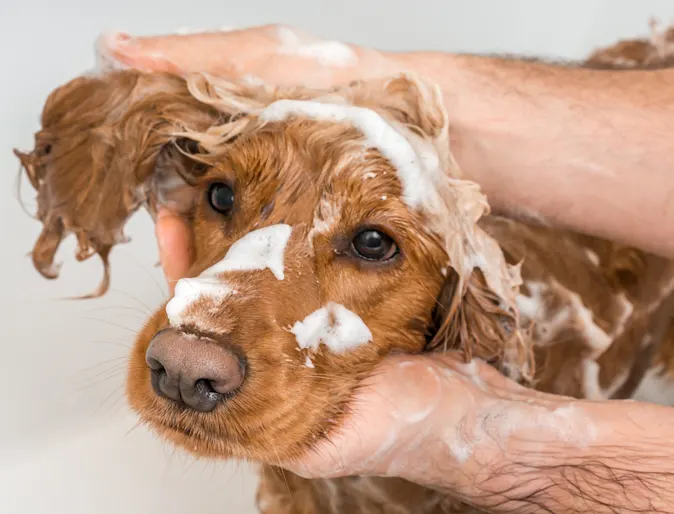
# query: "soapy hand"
[[272, 54]]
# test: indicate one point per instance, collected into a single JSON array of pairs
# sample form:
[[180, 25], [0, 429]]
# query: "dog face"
[[330, 230]]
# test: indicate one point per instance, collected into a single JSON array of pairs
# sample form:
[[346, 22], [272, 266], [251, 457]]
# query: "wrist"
[[620, 459], [490, 436]]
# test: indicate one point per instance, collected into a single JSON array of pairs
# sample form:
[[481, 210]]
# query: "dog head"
[[331, 229]]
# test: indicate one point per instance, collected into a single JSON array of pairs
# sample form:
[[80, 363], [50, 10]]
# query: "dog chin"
[[199, 441]]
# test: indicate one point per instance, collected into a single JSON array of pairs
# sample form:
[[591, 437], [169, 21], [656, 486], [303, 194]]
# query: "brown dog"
[[324, 222]]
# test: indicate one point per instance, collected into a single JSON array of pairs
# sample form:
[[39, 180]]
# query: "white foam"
[[418, 187], [189, 290], [308, 362], [335, 326], [252, 80], [592, 256], [628, 310], [473, 373], [531, 307], [258, 250], [503, 419], [327, 53], [591, 385], [597, 339]]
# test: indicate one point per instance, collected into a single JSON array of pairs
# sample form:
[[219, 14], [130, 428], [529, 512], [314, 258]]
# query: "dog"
[[323, 222]]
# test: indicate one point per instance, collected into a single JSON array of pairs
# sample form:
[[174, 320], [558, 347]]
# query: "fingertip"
[[144, 54], [174, 242]]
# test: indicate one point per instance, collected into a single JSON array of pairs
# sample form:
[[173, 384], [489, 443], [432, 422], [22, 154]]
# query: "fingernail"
[[108, 48], [116, 39]]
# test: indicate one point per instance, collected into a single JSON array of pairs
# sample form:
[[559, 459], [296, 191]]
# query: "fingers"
[[215, 52], [175, 251], [272, 54]]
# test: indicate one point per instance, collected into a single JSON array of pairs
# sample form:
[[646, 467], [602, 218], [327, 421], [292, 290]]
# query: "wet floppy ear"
[[179, 165], [471, 318], [410, 101], [417, 104]]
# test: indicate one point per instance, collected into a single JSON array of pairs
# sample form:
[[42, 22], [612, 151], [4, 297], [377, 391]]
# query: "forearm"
[[561, 456], [584, 149]]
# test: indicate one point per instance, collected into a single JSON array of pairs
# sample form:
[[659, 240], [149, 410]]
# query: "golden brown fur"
[[592, 315]]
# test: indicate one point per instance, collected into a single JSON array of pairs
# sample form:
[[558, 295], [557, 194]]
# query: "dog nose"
[[194, 371]]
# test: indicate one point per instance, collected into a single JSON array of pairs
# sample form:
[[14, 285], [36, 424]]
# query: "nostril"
[[164, 385], [200, 395], [195, 371], [154, 364], [204, 389]]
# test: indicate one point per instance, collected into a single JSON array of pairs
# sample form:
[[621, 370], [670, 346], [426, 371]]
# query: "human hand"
[[174, 240], [273, 54]]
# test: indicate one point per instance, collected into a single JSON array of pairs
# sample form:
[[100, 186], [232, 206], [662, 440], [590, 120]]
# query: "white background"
[[64, 441]]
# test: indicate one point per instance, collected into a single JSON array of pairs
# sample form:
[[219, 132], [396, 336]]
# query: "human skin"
[[578, 148], [559, 144]]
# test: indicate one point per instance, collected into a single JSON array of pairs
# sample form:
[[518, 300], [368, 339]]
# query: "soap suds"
[[502, 419], [591, 386], [531, 307], [617, 383], [252, 80], [592, 256], [189, 290], [326, 53], [335, 326], [418, 188], [628, 310], [258, 250], [597, 339], [430, 185], [471, 370]]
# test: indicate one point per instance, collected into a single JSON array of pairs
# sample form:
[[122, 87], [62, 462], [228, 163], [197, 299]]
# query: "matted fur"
[[111, 144]]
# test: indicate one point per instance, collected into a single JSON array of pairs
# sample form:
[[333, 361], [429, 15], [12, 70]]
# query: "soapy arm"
[[580, 148]]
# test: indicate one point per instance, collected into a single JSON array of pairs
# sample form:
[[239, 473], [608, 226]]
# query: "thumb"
[[175, 251]]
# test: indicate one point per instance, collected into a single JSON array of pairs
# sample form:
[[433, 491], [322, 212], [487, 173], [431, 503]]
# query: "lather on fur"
[[593, 316]]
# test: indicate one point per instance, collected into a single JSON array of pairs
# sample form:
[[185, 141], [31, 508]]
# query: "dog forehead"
[[290, 168], [417, 166]]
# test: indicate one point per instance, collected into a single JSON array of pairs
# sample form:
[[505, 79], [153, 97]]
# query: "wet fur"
[[112, 144]]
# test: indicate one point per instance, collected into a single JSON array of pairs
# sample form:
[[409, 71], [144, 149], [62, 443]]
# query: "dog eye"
[[374, 245], [221, 197]]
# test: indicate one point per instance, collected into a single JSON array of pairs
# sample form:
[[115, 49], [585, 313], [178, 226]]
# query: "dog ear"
[[178, 166], [474, 320], [95, 158], [410, 101]]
